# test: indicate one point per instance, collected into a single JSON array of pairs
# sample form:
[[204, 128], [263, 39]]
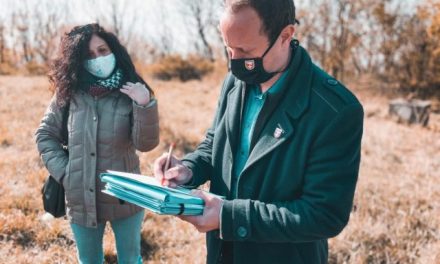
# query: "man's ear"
[[287, 34]]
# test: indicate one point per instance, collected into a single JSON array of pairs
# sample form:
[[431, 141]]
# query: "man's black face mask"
[[251, 70]]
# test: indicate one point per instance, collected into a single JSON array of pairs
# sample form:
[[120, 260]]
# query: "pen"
[[168, 161]]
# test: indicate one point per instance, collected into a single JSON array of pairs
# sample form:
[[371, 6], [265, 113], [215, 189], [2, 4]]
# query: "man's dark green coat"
[[296, 189]]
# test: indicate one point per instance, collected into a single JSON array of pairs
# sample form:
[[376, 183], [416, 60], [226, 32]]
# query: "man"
[[284, 147]]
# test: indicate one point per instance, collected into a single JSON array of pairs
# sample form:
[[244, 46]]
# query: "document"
[[147, 192]]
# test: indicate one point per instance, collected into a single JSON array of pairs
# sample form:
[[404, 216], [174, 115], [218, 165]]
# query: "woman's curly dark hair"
[[67, 68]]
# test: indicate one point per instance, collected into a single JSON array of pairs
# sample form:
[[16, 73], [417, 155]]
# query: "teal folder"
[[147, 192]]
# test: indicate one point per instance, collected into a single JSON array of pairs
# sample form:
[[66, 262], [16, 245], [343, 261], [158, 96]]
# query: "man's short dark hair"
[[275, 14]]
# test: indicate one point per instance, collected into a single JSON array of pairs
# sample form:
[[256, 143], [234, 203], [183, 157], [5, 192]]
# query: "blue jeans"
[[127, 235]]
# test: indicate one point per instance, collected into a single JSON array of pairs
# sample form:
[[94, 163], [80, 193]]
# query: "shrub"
[[411, 65], [175, 66], [34, 68], [7, 69]]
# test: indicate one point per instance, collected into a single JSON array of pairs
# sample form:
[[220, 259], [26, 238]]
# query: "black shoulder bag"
[[53, 192]]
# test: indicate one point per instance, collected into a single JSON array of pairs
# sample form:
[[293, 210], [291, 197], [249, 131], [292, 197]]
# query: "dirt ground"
[[397, 201]]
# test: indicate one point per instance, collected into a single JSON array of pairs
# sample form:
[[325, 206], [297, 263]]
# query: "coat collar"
[[298, 83]]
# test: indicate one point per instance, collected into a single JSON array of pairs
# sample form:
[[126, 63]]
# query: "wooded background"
[[395, 41]]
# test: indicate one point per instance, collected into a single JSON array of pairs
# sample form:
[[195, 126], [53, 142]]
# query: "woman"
[[111, 113]]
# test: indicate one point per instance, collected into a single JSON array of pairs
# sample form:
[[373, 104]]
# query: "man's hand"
[[177, 174], [210, 220]]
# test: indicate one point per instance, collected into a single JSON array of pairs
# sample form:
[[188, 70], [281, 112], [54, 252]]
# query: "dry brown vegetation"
[[397, 200], [177, 67]]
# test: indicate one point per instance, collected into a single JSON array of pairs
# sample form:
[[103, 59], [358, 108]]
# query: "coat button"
[[332, 82], [92, 154], [91, 190], [94, 118], [242, 232]]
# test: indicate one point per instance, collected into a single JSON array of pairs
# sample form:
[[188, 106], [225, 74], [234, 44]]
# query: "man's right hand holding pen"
[[171, 172], [176, 173]]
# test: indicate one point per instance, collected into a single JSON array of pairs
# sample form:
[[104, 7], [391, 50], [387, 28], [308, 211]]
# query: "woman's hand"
[[137, 92]]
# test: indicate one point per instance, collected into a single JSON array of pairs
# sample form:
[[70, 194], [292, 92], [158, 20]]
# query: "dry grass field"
[[397, 205]]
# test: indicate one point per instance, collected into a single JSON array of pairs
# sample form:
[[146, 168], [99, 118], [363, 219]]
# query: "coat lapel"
[[276, 132], [233, 114], [296, 101]]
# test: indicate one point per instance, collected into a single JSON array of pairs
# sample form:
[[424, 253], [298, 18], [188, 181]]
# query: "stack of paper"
[[147, 192]]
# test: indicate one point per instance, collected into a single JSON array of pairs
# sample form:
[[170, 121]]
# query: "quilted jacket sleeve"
[[145, 130], [49, 138]]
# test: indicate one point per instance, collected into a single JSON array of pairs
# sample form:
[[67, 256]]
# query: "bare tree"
[[47, 28], [410, 47], [2, 44], [122, 20], [21, 34], [333, 31], [164, 38], [314, 31], [117, 16], [202, 17], [347, 34]]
